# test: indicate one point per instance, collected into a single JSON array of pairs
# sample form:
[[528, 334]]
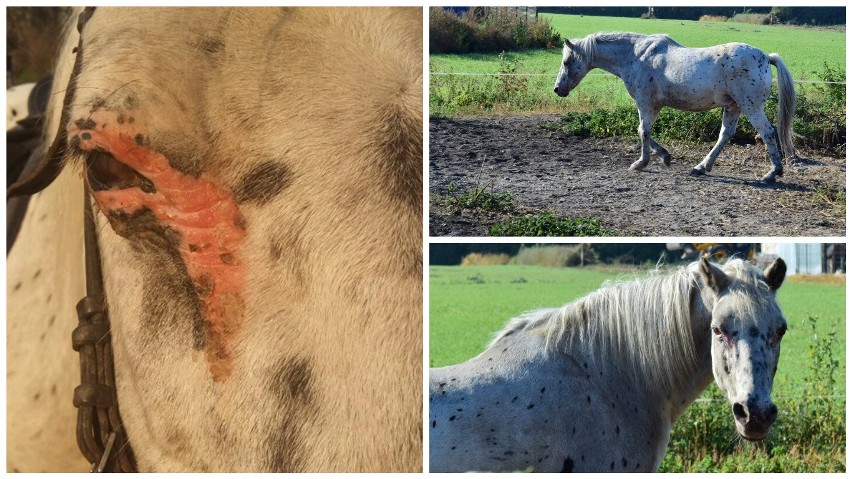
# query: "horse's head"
[[746, 330], [575, 65]]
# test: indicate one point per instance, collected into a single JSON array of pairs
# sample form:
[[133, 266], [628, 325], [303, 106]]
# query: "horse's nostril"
[[556, 89], [773, 414], [740, 413]]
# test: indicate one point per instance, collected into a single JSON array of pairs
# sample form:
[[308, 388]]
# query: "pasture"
[[467, 305], [806, 51], [574, 167]]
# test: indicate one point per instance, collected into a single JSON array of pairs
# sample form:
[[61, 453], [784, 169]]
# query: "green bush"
[[819, 122], [821, 118], [478, 198], [450, 95], [487, 30]]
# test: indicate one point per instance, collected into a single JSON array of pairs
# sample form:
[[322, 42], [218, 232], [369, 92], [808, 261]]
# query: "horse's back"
[[698, 79]]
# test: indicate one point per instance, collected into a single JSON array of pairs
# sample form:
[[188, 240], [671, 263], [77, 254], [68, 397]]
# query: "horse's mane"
[[639, 323], [588, 45]]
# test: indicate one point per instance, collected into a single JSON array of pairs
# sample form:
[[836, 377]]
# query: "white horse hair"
[[658, 72], [596, 385]]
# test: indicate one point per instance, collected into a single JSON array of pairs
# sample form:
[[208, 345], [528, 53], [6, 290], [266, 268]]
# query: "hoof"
[[696, 172], [667, 159], [637, 166], [769, 179]]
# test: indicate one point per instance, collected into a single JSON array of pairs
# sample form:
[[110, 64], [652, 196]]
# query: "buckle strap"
[[100, 432], [93, 395]]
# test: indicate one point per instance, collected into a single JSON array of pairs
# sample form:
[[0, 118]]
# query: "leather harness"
[[100, 433]]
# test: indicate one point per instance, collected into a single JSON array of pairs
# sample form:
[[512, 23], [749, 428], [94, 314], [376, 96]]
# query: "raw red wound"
[[208, 222]]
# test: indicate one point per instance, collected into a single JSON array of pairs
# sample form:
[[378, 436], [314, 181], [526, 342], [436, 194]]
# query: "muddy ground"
[[549, 171]]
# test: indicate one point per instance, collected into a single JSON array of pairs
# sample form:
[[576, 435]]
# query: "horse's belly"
[[686, 102], [693, 92]]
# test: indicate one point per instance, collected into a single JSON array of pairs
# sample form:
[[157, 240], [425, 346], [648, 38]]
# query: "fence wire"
[[779, 398], [588, 75], [466, 92]]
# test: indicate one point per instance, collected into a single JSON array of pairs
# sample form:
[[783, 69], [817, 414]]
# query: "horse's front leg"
[[730, 115], [647, 117]]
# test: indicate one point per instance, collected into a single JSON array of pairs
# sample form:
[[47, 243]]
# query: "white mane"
[[640, 323]]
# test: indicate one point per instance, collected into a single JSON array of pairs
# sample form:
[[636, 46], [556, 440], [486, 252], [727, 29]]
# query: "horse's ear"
[[713, 277], [775, 273]]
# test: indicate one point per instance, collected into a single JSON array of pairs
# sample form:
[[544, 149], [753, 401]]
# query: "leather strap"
[[100, 433]]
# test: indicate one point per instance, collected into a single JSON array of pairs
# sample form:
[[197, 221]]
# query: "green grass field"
[[804, 50], [467, 305]]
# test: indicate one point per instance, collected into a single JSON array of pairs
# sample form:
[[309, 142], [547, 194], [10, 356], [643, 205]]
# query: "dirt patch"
[[549, 171]]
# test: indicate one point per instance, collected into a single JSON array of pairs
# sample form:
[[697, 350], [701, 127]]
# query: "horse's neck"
[[44, 282], [612, 56], [685, 394]]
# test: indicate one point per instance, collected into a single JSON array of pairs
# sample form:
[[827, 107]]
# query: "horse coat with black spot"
[[258, 178]]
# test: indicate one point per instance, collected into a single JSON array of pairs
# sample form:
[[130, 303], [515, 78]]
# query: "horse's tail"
[[786, 106]]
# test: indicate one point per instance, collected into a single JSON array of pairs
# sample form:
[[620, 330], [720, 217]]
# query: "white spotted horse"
[[658, 72], [596, 385], [255, 181]]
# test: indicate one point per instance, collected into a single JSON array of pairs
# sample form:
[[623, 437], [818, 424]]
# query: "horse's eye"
[[717, 331]]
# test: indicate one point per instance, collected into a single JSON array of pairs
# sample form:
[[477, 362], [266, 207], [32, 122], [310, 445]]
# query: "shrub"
[[821, 118], [753, 18], [488, 30], [557, 256], [819, 122], [485, 259], [713, 18], [478, 198]]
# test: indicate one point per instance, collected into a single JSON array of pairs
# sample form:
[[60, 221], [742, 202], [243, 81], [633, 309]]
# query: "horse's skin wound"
[[127, 176]]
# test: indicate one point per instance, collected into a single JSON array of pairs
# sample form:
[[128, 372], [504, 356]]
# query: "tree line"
[[791, 15]]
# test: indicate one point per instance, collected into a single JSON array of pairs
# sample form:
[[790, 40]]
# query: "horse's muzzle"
[[753, 422], [561, 92]]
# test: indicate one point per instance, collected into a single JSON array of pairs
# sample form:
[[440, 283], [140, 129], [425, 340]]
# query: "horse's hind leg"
[[647, 117], [730, 116], [770, 139], [661, 152]]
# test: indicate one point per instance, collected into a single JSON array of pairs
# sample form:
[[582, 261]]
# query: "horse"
[[17, 103], [658, 72], [257, 180], [595, 386]]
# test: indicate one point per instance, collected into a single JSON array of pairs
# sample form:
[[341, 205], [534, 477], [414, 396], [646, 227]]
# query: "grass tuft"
[[548, 224]]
